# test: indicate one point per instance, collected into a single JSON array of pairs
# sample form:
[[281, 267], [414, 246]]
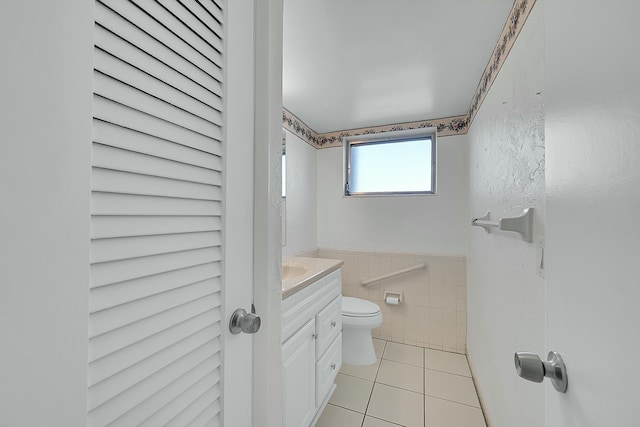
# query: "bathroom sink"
[[290, 271]]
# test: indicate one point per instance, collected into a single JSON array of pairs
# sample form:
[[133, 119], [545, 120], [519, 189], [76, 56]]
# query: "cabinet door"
[[298, 361]]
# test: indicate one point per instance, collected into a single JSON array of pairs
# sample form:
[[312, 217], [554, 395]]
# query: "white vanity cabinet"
[[311, 348]]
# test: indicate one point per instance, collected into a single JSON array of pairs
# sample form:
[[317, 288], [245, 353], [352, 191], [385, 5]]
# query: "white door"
[[172, 213], [592, 102]]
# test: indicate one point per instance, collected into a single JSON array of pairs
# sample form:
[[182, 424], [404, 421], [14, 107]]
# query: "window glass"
[[399, 166]]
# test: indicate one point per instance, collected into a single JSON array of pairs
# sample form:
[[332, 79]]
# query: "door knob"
[[241, 321], [530, 367]]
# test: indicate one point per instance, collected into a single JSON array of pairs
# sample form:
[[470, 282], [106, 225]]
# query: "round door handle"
[[241, 321], [530, 367]]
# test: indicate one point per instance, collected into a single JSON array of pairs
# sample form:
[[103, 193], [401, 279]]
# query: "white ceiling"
[[358, 63]]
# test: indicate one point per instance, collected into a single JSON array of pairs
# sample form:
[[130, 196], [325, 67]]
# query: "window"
[[393, 163]]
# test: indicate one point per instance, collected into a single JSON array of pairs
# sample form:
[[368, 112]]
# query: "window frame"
[[389, 138]]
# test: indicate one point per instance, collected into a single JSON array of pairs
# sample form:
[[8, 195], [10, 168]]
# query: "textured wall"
[[505, 295]]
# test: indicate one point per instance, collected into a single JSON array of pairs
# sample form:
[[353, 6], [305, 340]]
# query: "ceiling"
[[359, 63]]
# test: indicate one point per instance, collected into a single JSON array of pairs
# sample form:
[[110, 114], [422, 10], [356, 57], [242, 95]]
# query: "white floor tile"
[[375, 422], [404, 353], [334, 416], [351, 393], [450, 387], [368, 372], [447, 362], [378, 346], [397, 406], [442, 413], [401, 375]]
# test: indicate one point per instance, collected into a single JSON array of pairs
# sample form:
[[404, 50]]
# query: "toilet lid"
[[356, 307]]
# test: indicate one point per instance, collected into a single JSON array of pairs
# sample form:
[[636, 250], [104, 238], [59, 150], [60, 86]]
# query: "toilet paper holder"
[[392, 297]]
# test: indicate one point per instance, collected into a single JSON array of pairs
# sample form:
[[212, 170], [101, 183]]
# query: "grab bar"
[[393, 274]]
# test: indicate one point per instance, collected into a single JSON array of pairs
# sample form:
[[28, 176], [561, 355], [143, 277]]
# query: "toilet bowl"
[[359, 317]]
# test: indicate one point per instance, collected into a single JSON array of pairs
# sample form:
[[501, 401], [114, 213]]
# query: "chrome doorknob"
[[530, 367], [241, 321]]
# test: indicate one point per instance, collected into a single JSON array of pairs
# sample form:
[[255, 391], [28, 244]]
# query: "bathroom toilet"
[[359, 317]]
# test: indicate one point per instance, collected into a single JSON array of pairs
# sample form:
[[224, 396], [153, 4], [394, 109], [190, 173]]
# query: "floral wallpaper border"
[[445, 127], [296, 126], [517, 17], [457, 125]]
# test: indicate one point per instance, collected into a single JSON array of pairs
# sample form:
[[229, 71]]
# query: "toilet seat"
[[356, 307]]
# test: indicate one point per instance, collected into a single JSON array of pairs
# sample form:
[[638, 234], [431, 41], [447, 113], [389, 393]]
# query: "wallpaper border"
[[447, 126]]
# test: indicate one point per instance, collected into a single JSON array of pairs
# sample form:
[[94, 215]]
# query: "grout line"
[[400, 388], [450, 373], [386, 421], [374, 386], [453, 401], [344, 407]]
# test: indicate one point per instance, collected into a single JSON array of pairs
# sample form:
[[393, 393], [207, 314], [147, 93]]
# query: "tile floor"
[[408, 386]]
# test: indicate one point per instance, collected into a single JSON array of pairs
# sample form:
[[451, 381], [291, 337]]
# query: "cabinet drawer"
[[327, 368], [298, 308], [328, 324]]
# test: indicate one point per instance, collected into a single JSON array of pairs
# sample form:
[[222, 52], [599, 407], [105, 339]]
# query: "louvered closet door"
[[156, 275]]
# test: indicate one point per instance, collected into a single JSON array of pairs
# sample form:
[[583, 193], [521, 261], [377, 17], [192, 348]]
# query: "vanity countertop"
[[300, 272]]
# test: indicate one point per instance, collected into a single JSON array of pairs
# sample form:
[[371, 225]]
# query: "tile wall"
[[433, 312]]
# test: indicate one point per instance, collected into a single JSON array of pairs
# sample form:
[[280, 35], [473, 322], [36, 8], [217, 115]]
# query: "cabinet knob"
[[333, 324], [333, 366], [314, 336]]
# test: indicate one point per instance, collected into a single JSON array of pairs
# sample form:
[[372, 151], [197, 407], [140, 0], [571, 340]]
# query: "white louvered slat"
[[107, 250], [123, 380], [133, 405], [113, 22], [205, 15], [117, 339], [119, 226], [119, 114], [128, 204], [106, 297], [106, 367], [149, 56], [155, 343], [131, 140], [132, 76], [172, 15], [107, 157], [137, 99], [208, 417], [156, 30], [184, 407], [119, 271], [138, 414], [213, 8], [111, 181], [126, 314]]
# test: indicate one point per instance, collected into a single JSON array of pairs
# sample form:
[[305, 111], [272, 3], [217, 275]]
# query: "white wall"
[[45, 133], [425, 224], [302, 196], [593, 204], [505, 296]]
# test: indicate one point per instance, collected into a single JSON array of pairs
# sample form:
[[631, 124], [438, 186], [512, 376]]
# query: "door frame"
[[267, 251]]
